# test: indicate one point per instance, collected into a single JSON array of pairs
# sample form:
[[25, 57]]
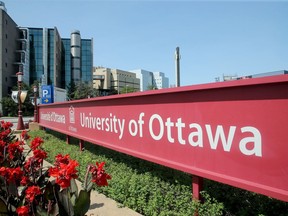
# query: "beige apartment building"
[[109, 81]]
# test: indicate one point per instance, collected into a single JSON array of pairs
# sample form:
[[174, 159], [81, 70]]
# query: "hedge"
[[152, 189]]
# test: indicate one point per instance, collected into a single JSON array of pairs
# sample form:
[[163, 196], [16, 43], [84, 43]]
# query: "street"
[[14, 120]]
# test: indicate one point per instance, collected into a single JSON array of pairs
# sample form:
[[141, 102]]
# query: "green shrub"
[[152, 189]]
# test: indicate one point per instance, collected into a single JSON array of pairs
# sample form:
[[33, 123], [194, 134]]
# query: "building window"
[[6, 50]]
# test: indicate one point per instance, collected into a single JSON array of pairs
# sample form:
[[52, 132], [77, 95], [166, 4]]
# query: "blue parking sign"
[[47, 94]]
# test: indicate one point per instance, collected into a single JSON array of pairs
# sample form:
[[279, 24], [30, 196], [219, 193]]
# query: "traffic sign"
[[47, 94]]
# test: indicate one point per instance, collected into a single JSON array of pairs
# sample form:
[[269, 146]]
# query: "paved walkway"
[[103, 206]]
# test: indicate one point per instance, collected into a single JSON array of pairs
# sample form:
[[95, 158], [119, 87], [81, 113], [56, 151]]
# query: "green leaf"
[[3, 207], [73, 199], [48, 193], [42, 180], [12, 189], [62, 210], [89, 186], [82, 203], [41, 212], [73, 187], [64, 202]]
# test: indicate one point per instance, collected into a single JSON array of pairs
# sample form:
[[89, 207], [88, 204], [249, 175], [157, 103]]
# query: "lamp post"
[[35, 89], [21, 99], [20, 125]]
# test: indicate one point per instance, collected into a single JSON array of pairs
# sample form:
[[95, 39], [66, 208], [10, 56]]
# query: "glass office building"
[[44, 56], [87, 60], [83, 58], [50, 59], [66, 62]]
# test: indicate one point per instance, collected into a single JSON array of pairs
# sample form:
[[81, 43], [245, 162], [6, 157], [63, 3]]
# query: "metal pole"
[[67, 139], [177, 66], [81, 144], [35, 104], [197, 187]]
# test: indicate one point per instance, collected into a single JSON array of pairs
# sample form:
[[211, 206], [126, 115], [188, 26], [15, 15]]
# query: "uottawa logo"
[[71, 115]]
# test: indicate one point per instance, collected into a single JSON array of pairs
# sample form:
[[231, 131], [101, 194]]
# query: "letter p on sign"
[[45, 92]]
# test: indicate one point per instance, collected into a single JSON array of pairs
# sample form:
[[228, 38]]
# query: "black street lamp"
[[35, 89], [21, 99]]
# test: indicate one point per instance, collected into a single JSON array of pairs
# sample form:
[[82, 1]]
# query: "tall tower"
[[76, 55], [177, 66]]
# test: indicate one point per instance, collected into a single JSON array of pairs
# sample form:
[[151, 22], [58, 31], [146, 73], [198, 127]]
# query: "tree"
[[10, 108], [71, 88], [81, 91], [127, 89], [152, 87]]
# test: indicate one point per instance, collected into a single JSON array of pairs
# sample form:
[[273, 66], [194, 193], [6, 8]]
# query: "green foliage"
[[152, 87], [81, 91], [71, 88], [151, 189], [10, 108], [242, 202], [137, 184], [209, 206], [127, 89], [82, 203]]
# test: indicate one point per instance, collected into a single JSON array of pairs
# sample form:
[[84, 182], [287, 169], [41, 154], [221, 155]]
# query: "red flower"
[[98, 174], [24, 181], [4, 134], [15, 149], [3, 171], [64, 173], [32, 192], [61, 159], [24, 135], [23, 211], [12, 174], [36, 142], [2, 143], [39, 155], [31, 165], [71, 168], [6, 125]]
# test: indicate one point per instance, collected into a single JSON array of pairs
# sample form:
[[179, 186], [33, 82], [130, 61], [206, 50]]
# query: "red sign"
[[233, 132]]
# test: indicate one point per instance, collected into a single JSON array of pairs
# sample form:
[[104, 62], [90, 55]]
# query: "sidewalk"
[[100, 204], [103, 206]]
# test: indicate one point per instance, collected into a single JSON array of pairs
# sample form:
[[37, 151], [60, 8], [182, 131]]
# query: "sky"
[[215, 38]]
